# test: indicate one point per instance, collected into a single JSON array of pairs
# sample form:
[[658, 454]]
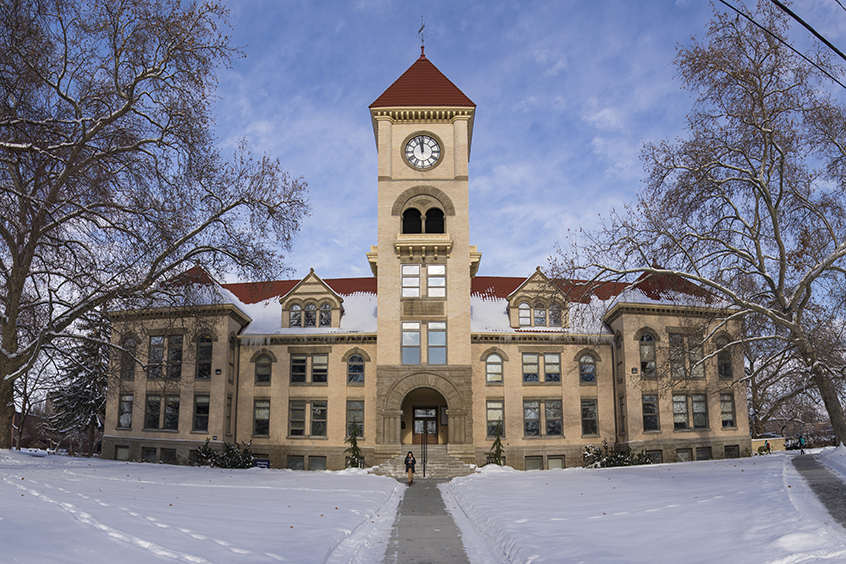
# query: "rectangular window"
[[677, 354], [697, 368], [125, 411], [495, 410], [436, 281], [233, 349], [411, 281], [437, 342], [174, 357], [201, 413], [657, 456], [121, 452], [168, 456], [589, 419], [552, 367], [411, 342], [684, 455], [680, 412], [296, 462], [204, 358], [727, 410], [297, 417], [534, 463], [530, 367], [298, 368], [700, 411], [531, 418], [554, 462], [732, 451], [155, 357], [149, 454], [355, 416], [319, 367], [703, 453], [171, 415], [650, 413], [229, 415], [153, 412], [552, 415], [318, 419], [261, 417], [316, 463]]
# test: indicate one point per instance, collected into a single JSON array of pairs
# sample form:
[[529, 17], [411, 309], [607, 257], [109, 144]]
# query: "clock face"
[[422, 151]]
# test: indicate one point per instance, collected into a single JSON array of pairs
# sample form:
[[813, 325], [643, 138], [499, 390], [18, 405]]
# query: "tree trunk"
[[832, 406], [7, 412]]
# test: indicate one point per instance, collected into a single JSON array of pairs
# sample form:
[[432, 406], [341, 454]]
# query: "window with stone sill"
[[493, 369], [542, 418]]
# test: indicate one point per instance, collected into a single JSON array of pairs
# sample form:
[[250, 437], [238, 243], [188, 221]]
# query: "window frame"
[[725, 367], [200, 414], [205, 355], [436, 343], [410, 278], [263, 370], [126, 403], [175, 354], [727, 399], [261, 426], [436, 281], [653, 414], [531, 376], [310, 315], [539, 315], [587, 367], [492, 405], [127, 358], [170, 414], [355, 377], [410, 344], [352, 410], [325, 315], [308, 418], [494, 365], [524, 315], [554, 376], [585, 404], [295, 315], [155, 357], [541, 412], [646, 348], [148, 413]]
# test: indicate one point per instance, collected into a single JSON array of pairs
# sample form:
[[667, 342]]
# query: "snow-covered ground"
[[64, 510]]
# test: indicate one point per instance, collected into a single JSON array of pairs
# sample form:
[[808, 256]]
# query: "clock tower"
[[423, 262]]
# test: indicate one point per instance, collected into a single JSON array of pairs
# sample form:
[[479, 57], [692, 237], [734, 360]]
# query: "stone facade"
[[426, 350]]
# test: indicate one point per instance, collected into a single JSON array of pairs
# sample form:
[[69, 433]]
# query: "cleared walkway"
[[424, 533], [828, 487]]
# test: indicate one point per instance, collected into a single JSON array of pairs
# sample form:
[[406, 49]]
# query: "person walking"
[[802, 444], [409, 467]]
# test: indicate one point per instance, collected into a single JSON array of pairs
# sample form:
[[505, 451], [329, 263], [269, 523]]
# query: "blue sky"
[[567, 92]]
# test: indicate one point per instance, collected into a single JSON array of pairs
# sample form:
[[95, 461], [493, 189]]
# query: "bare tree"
[[110, 178], [750, 205]]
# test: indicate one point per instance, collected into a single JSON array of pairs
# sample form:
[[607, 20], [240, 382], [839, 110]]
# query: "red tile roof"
[[422, 85], [253, 292]]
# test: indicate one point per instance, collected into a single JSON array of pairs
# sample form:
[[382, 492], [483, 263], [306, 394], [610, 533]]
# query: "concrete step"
[[439, 464]]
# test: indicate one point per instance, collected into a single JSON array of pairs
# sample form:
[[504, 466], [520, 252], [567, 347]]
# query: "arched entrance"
[[424, 418]]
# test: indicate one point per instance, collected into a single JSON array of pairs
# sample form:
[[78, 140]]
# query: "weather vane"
[[422, 36]]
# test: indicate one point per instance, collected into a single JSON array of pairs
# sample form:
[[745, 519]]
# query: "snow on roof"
[[490, 315]]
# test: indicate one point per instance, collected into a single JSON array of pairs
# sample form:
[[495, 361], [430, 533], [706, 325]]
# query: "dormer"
[[538, 303], [311, 304]]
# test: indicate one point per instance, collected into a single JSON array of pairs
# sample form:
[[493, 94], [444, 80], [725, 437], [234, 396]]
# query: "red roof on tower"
[[422, 85]]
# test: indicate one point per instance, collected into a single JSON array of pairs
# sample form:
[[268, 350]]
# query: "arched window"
[[325, 315], [412, 222], [587, 369], [127, 359], [724, 368], [204, 357], [493, 368], [647, 356], [434, 221], [555, 315], [310, 319], [355, 369], [296, 316], [524, 314], [540, 315], [264, 365]]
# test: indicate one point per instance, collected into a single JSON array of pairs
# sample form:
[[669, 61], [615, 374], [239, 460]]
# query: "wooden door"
[[425, 425]]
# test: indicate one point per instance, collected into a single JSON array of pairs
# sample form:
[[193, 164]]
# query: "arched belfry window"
[[296, 316], [412, 221], [434, 221], [325, 315], [310, 318]]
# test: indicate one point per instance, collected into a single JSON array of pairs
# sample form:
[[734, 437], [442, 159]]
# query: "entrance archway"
[[424, 418]]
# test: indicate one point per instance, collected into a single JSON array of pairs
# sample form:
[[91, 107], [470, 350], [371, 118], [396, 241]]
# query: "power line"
[[809, 28], [785, 43]]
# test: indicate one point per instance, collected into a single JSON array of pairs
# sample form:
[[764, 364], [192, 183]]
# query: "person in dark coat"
[[409, 467]]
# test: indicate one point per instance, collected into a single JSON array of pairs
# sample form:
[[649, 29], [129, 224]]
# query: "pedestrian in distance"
[[801, 444], [409, 467], [767, 447]]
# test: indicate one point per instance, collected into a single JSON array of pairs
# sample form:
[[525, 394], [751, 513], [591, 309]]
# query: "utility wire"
[[809, 28], [785, 43]]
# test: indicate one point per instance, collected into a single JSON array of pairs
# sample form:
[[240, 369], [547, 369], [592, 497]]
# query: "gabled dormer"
[[311, 304], [538, 303]]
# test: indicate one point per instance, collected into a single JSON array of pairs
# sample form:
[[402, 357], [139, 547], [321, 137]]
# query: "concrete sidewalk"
[[828, 487], [424, 533]]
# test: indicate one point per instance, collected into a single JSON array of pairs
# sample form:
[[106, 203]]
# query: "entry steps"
[[439, 464]]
